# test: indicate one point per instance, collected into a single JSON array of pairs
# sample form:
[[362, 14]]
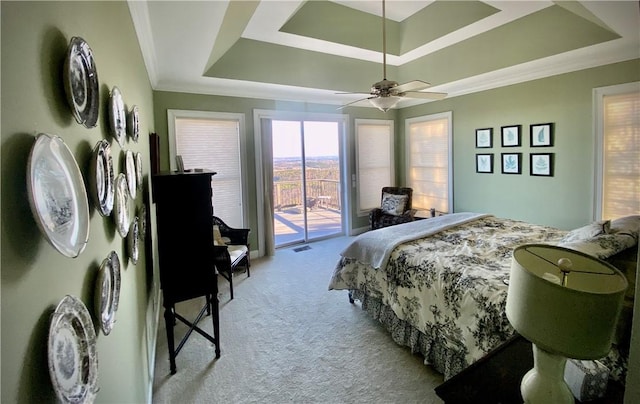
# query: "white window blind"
[[374, 144], [621, 155], [214, 144], [428, 161]]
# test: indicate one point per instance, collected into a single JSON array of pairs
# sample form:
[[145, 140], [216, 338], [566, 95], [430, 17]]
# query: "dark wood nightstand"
[[496, 378]]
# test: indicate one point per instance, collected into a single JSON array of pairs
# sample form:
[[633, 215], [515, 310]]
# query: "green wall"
[[564, 200], [164, 101], [35, 277]]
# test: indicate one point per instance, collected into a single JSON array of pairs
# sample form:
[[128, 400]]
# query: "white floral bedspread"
[[451, 285]]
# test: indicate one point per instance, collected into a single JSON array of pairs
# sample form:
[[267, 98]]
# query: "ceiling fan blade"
[[355, 102], [355, 92], [415, 85], [426, 96]]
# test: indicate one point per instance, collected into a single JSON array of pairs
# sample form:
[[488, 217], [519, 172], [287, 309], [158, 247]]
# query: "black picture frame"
[[484, 163], [541, 164], [541, 135], [511, 163], [484, 138], [510, 135]]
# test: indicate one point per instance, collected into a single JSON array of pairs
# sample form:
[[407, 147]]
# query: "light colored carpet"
[[286, 339]]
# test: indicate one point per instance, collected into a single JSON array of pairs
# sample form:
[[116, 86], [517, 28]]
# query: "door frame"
[[343, 123]]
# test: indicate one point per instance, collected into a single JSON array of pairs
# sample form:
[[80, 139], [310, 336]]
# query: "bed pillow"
[[626, 225], [586, 232], [602, 246], [393, 204]]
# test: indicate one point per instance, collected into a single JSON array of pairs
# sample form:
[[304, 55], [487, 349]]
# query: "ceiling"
[[310, 50]]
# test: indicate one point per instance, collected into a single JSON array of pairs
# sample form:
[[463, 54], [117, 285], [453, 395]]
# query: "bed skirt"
[[436, 352]]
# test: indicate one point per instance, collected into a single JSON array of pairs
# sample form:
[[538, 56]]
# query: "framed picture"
[[541, 134], [511, 136], [541, 164], [484, 163], [180, 163], [511, 163], [484, 138]]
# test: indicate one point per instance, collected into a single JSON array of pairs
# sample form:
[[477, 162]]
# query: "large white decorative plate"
[[81, 82], [101, 177], [133, 126], [134, 242], [139, 170], [117, 116], [72, 356], [57, 195], [121, 206], [107, 293], [130, 170]]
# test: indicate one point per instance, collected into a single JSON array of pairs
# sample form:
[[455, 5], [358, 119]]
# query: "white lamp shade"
[[384, 103], [577, 320]]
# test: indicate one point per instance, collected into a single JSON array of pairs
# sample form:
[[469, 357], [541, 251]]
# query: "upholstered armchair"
[[231, 249], [395, 208]]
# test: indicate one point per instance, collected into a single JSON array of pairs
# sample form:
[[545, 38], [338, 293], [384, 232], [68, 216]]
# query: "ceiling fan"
[[385, 94]]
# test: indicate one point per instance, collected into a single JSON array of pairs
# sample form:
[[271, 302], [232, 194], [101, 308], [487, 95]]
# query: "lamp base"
[[545, 382]]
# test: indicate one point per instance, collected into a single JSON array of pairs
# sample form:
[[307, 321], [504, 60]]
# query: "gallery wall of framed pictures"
[[511, 156]]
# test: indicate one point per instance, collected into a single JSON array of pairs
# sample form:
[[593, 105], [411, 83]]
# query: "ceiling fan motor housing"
[[384, 88]]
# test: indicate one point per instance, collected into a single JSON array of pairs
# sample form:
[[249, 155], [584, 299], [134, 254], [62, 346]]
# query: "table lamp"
[[567, 304]]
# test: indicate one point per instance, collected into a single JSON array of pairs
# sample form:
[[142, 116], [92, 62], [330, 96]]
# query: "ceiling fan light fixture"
[[384, 103]]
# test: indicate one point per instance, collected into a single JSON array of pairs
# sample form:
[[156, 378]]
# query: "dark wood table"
[[496, 378]]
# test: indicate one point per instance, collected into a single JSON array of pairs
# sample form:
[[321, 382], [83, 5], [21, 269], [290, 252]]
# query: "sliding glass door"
[[306, 180]]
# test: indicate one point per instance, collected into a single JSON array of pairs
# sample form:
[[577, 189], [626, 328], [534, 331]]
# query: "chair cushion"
[[217, 236], [236, 252], [394, 204]]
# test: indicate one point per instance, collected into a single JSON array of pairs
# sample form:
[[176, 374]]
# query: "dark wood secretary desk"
[[184, 213]]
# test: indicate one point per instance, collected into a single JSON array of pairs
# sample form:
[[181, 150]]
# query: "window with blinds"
[[428, 156], [375, 161], [212, 142], [620, 155]]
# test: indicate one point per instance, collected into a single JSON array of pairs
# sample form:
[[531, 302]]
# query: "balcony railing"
[[320, 194]]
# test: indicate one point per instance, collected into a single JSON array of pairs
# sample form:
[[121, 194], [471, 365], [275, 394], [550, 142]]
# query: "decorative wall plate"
[[133, 241], [72, 356], [107, 293], [57, 195], [117, 116], [101, 177], [81, 82], [121, 206], [139, 170], [130, 170], [133, 125]]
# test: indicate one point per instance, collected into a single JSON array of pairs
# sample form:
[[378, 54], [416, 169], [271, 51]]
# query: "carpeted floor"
[[286, 339]]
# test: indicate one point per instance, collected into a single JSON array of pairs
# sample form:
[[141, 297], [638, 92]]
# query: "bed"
[[439, 286]]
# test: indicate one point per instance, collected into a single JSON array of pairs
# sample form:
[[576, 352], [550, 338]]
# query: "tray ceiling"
[[309, 50]]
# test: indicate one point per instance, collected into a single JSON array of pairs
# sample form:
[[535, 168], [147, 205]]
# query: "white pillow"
[[394, 204], [586, 232], [602, 246]]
